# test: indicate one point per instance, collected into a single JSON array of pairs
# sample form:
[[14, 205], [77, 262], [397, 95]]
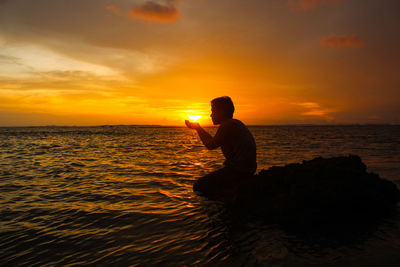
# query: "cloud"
[[8, 59], [153, 11], [19, 60], [114, 9], [67, 92], [312, 105], [57, 82], [315, 109], [311, 4], [341, 41]]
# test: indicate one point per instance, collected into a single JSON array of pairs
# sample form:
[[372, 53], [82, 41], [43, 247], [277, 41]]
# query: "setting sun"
[[194, 117]]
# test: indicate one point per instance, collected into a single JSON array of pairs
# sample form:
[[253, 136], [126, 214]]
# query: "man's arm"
[[206, 138]]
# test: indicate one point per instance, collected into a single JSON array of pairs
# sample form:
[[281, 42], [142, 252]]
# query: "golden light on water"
[[194, 117]]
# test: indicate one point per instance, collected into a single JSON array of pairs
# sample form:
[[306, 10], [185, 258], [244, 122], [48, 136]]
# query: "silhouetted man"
[[236, 142]]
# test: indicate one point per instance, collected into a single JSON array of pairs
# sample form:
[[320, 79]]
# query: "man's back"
[[238, 146]]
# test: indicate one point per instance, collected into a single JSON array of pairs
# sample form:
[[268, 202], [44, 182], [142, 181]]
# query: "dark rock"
[[321, 190]]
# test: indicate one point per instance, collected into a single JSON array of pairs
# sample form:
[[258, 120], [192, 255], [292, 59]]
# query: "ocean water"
[[122, 195]]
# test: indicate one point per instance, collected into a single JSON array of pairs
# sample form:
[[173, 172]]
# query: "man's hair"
[[224, 103]]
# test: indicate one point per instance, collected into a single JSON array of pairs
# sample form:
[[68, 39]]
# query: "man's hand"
[[205, 137], [192, 125]]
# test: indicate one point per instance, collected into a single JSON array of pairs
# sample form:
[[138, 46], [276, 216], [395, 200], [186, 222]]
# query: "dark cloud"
[[310, 4], [341, 41], [154, 11]]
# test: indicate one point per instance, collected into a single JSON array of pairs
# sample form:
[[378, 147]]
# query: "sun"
[[194, 117]]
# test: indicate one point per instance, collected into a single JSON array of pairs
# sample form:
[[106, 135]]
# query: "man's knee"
[[212, 181], [202, 183]]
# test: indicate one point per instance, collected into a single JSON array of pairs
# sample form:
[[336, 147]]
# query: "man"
[[237, 144]]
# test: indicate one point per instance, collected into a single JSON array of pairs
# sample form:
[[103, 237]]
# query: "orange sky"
[[96, 62]]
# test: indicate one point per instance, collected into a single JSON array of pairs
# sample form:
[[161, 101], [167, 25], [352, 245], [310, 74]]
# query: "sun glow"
[[194, 117]]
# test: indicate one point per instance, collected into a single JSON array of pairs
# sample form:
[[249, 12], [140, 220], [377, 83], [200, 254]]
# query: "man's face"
[[216, 115]]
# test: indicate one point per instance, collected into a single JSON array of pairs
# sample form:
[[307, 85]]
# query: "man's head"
[[221, 109]]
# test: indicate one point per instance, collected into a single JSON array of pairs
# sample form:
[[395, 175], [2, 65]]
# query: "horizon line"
[[208, 125]]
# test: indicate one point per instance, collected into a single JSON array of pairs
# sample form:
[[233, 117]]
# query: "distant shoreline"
[[183, 126]]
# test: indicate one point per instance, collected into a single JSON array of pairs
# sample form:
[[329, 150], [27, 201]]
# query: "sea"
[[122, 196]]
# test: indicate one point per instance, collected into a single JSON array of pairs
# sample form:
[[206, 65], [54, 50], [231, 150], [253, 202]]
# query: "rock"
[[319, 190]]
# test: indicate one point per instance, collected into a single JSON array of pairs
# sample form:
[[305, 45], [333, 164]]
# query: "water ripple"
[[122, 195]]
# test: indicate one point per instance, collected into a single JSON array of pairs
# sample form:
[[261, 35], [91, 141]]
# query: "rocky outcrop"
[[318, 190]]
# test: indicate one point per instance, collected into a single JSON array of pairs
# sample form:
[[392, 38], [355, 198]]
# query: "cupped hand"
[[192, 125]]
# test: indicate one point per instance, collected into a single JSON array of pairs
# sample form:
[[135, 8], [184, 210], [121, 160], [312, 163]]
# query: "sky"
[[97, 62]]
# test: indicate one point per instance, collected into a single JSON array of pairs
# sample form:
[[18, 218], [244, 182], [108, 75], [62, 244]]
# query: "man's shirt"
[[238, 146]]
